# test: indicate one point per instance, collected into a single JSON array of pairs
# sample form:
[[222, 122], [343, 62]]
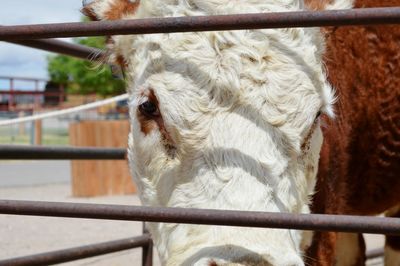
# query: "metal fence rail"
[[22, 152], [61, 47], [81, 252], [364, 16], [22, 78], [316, 222]]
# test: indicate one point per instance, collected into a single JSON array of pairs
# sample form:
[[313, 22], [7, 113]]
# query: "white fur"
[[240, 109]]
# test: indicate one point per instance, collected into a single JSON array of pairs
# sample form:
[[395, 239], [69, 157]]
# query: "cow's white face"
[[224, 120]]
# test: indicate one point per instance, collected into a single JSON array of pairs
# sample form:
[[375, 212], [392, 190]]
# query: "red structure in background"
[[53, 95]]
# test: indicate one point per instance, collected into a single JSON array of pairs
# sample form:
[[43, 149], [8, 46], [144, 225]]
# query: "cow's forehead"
[[214, 7], [233, 62]]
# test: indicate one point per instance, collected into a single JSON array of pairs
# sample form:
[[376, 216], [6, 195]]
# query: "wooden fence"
[[95, 178]]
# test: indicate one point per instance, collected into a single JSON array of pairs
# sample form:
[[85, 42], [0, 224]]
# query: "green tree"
[[83, 76]]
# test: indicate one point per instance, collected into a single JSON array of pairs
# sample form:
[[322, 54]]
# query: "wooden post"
[[147, 251], [36, 97], [21, 126], [100, 177], [38, 132]]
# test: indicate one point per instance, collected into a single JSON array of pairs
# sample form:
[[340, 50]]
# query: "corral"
[[231, 218]]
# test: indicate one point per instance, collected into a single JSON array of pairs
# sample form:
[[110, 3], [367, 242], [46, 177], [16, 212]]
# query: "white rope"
[[64, 111]]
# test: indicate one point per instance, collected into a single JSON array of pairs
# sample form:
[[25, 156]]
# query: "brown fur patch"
[[146, 125], [89, 12], [317, 4], [359, 163], [121, 61], [120, 8]]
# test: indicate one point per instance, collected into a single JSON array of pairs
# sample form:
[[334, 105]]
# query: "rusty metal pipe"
[[29, 92], [77, 253], [61, 47], [364, 16], [22, 78], [23, 152], [317, 222], [147, 251]]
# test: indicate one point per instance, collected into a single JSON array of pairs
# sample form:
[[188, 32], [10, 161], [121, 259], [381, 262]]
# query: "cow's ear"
[[328, 4], [109, 9], [96, 10]]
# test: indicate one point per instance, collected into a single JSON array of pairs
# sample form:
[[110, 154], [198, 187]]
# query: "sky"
[[27, 62]]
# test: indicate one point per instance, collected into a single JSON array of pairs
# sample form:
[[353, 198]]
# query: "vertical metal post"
[[32, 133], [21, 126], [147, 251], [11, 97]]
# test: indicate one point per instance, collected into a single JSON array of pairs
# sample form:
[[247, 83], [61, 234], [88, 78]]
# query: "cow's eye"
[[149, 108], [318, 115]]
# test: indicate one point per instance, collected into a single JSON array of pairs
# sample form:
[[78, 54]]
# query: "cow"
[[235, 119], [359, 165]]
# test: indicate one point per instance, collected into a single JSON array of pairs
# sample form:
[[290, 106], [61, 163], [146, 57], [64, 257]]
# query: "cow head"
[[223, 120]]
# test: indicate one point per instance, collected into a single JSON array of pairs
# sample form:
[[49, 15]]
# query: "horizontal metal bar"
[[77, 253], [363, 16], [317, 222], [30, 92], [22, 152], [22, 78], [61, 47], [7, 91]]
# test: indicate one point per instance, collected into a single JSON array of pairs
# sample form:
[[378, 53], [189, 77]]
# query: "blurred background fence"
[[22, 97], [40, 113]]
